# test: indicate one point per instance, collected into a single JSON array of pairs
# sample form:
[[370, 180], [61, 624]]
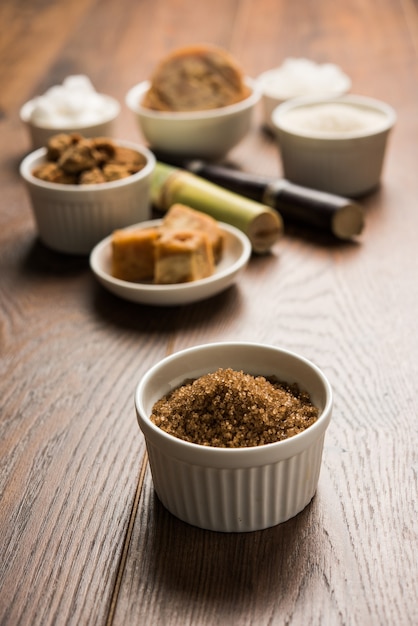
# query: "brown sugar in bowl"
[[234, 489]]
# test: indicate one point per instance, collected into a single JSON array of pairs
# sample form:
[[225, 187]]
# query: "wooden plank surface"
[[83, 538]]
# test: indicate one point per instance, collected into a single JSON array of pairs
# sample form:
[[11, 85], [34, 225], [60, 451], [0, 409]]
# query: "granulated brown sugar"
[[231, 409]]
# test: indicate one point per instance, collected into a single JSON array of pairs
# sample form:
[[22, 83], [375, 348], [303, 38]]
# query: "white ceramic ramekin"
[[39, 134], [344, 162], [74, 218], [201, 134], [234, 489]]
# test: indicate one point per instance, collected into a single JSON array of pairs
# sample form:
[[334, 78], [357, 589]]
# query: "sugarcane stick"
[[310, 208], [171, 185]]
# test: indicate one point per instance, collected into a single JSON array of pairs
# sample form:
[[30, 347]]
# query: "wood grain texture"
[[84, 538]]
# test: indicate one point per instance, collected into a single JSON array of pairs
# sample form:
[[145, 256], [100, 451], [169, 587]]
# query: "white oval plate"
[[236, 254]]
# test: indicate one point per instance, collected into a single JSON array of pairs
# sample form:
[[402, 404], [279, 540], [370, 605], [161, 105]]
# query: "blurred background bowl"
[[206, 134], [234, 489], [74, 218], [300, 78], [334, 144], [39, 133]]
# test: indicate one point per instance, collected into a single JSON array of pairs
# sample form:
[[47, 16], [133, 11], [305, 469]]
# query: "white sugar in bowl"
[[73, 106], [336, 145], [300, 78]]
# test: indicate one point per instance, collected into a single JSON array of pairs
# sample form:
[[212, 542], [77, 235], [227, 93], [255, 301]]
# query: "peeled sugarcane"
[[171, 185]]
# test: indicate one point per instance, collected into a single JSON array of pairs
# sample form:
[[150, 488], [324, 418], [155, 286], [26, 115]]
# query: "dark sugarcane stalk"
[[307, 207], [171, 185]]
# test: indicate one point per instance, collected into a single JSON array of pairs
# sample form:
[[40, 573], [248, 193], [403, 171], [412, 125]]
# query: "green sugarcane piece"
[[172, 185]]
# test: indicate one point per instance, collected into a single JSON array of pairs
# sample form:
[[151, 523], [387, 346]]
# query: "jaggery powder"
[[231, 409]]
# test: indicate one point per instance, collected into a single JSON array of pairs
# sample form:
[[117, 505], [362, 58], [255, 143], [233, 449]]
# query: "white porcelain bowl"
[[235, 256], [334, 144], [74, 218], [40, 133], [201, 134], [234, 489]]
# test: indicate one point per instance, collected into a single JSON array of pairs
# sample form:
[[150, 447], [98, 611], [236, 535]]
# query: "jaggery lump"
[[183, 217], [52, 173], [133, 161], [133, 254], [92, 177], [195, 78], [78, 157], [232, 409], [58, 144], [185, 247], [183, 256], [115, 171], [73, 159]]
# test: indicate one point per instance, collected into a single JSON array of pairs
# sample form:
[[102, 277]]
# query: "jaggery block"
[[52, 173], [92, 177], [78, 157], [196, 78], [58, 144], [182, 256], [115, 171], [131, 159], [181, 217], [133, 254]]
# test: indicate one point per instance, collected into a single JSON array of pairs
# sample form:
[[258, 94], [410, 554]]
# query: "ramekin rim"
[[366, 101], [320, 423]]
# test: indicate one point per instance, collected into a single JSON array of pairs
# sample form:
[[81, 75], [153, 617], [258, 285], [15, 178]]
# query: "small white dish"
[[237, 251]]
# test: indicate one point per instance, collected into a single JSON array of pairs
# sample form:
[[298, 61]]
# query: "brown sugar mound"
[[231, 409], [196, 78]]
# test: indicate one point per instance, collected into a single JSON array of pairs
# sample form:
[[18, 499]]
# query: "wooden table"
[[84, 539]]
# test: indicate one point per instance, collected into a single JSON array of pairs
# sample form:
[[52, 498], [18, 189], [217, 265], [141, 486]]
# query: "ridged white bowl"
[[240, 489], [74, 218]]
